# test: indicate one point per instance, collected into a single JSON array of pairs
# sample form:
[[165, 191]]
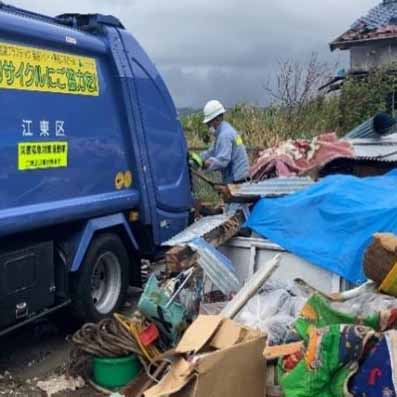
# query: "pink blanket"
[[300, 157]]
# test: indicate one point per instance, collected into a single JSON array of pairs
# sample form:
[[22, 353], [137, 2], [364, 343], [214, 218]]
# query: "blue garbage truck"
[[93, 165]]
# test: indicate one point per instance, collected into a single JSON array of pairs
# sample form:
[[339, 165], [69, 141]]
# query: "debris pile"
[[192, 273], [202, 329], [369, 149]]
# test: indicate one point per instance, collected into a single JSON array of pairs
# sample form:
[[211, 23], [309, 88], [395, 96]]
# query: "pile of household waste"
[[202, 329], [265, 338]]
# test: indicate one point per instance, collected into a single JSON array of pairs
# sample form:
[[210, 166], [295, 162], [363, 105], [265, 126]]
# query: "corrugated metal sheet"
[[274, 187], [381, 125], [198, 229], [376, 149], [217, 267]]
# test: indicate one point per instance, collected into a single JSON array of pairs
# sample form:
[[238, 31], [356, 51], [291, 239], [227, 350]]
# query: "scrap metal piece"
[[217, 267], [274, 187], [189, 274], [251, 288]]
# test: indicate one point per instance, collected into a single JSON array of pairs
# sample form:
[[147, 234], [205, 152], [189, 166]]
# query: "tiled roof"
[[379, 23], [379, 16]]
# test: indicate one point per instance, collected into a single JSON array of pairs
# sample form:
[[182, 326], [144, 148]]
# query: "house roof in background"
[[379, 24]]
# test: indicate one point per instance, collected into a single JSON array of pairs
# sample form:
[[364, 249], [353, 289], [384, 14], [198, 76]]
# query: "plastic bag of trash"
[[293, 288], [273, 313], [274, 309], [279, 330], [293, 306]]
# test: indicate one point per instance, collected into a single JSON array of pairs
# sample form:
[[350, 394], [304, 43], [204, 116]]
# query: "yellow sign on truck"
[[42, 155], [34, 69]]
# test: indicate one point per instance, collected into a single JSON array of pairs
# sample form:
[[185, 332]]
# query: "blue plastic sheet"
[[331, 223]]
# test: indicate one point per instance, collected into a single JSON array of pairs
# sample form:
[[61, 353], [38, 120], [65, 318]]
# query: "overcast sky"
[[224, 49]]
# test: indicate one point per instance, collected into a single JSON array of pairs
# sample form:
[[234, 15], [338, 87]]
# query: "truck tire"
[[99, 287]]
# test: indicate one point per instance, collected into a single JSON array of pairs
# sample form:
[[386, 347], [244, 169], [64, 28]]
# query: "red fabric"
[[300, 157]]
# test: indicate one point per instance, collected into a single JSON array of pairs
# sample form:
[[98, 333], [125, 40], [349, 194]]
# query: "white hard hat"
[[211, 110]]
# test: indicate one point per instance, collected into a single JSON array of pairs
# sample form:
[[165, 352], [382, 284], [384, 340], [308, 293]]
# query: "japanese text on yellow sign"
[[33, 69], [42, 155]]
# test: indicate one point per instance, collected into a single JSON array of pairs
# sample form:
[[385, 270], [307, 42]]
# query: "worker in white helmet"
[[227, 154]]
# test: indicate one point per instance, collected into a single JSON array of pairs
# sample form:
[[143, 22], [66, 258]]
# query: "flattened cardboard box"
[[235, 369]]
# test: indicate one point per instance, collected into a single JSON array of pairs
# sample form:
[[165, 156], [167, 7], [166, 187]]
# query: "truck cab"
[[93, 164]]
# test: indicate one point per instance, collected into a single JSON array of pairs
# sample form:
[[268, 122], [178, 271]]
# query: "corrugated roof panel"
[[378, 127], [219, 269], [271, 187], [376, 149]]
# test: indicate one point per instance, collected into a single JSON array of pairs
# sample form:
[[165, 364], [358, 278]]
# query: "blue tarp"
[[331, 223]]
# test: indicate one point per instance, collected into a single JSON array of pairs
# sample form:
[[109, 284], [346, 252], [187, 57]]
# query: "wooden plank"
[[273, 352]]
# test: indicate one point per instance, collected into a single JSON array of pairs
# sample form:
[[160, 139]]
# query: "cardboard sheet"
[[199, 334], [236, 369]]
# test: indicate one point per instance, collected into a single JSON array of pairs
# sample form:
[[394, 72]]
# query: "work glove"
[[195, 160]]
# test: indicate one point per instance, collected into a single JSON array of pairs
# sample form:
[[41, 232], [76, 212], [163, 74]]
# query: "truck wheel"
[[100, 286]]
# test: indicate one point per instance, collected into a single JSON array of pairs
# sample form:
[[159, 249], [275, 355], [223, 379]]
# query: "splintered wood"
[[274, 352], [180, 258], [380, 257]]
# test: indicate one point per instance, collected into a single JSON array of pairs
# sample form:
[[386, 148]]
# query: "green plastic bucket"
[[115, 372]]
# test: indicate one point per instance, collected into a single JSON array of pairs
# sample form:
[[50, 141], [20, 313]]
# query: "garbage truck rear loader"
[[93, 164]]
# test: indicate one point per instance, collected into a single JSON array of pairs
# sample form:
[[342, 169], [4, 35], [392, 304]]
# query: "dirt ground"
[[40, 351]]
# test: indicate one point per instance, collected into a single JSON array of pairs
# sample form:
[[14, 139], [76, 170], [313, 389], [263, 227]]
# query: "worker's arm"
[[222, 154], [208, 153]]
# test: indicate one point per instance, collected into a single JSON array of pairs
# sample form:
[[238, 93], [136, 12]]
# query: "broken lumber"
[[180, 258]]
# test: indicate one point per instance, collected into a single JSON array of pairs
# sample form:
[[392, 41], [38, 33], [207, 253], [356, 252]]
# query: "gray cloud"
[[224, 49]]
